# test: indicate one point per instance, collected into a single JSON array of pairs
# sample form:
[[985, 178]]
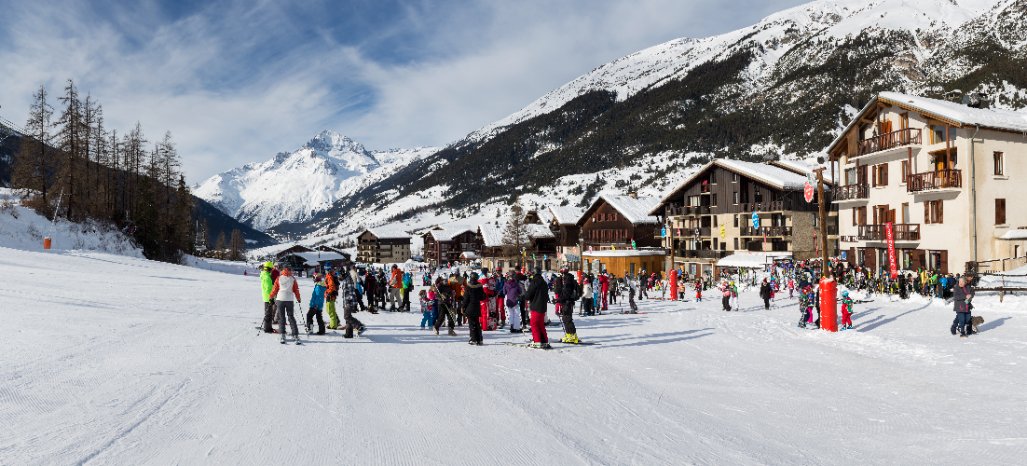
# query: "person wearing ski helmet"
[[847, 310], [474, 295], [538, 300], [348, 291], [512, 292], [316, 305]]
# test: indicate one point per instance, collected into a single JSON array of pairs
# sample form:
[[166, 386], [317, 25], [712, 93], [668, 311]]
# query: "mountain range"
[[781, 88]]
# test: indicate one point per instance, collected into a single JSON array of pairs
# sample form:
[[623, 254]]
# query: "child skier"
[[317, 299], [698, 291], [805, 305], [586, 299], [426, 307], [847, 310]]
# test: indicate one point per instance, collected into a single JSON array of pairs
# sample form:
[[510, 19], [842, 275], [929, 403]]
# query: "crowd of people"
[[518, 299]]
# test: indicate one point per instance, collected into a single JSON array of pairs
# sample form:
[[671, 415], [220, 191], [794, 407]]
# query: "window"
[[713, 177], [736, 244], [1000, 168], [880, 174], [1000, 211], [734, 177], [851, 176], [736, 224], [905, 212], [758, 196], [736, 197], [938, 134], [713, 200], [905, 172], [933, 212], [859, 216]]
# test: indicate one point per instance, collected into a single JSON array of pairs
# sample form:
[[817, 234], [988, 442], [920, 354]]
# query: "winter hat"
[[474, 277], [845, 294], [317, 277]]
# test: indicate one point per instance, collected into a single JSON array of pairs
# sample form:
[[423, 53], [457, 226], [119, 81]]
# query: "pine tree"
[[219, 245], [32, 165], [515, 236]]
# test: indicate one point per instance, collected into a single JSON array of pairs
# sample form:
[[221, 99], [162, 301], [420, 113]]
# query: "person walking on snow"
[[586, 299], [725, 291], [285, 288], [348, 291], [315, 306], [426, 308], [962, 294], [395, 289], [765, 294], [445, 305], [847, 310], [471, 305], [512, 291], [538, 302]]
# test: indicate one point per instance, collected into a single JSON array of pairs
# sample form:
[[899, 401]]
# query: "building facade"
[[447, 246], [382, 247], [945, 175], [566, 235], [709, 216]]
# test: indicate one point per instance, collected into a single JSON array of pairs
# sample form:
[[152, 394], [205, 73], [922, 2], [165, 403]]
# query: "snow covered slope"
[[163, 366], [23, 228], [294, 186]]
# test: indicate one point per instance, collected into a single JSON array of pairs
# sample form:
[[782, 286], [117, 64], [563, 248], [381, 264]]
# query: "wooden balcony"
[[902, 232], [902, 137], [770, 231], [851, 192], [929, 181]]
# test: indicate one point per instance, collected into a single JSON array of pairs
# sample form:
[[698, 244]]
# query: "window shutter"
[[884, 175], [927, 212], [941, 213]]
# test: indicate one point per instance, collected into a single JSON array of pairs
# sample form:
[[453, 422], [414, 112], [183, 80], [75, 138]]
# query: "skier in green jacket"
[[268, 275]]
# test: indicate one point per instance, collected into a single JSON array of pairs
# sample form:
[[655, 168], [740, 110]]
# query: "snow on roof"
[[960, 114], [313, 258], [536, 231], [751, 260], [774, 176], [491, 236], [1014, 235], [386, 233], [447, 234], [625, 253], [566, 215], [803, 167], [634, 209]]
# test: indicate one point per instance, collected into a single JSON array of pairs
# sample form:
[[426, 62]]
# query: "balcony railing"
[[777, 231], [851, 192], [902, 232], [703, 253], [768, 206], [902, 137], [941, 179]]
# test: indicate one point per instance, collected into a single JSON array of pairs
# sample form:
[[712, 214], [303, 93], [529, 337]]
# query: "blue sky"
[[238, 81]]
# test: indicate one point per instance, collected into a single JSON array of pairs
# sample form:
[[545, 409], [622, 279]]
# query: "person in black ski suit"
[[765, 293], [471, 305], [569, 294], [348, 293], [445, 311], [371, 290]]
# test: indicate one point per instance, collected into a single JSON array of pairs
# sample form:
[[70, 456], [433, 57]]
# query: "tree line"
[[72, 166]]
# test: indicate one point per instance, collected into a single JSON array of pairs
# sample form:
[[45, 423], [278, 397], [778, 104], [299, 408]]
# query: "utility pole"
[[822, 210]]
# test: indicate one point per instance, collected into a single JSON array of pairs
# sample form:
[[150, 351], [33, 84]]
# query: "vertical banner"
[[889, 235]]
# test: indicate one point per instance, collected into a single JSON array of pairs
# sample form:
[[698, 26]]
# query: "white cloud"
[[235, 83]]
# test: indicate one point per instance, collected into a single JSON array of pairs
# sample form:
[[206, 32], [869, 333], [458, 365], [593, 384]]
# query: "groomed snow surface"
[[115, 360]]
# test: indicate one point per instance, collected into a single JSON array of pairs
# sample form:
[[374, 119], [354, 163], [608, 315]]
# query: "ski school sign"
[[889, 236]]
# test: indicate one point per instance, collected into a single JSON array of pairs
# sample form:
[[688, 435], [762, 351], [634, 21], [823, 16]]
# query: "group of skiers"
[[279, 287]]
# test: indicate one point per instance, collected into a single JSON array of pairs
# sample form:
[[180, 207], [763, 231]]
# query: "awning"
[[752, 260]]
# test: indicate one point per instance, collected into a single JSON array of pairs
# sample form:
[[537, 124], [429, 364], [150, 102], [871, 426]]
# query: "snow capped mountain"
[[294, 186]]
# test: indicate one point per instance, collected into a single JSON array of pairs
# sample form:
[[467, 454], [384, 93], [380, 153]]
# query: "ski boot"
[[436, 331], [283, 338], [360, 331], [452, 332], [571, 338], [308, 329]]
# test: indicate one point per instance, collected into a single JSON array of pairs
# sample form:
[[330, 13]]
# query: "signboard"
[[845, 255], [807, 192], [755, 220], [663, 232], [723, 232], [889, 236]]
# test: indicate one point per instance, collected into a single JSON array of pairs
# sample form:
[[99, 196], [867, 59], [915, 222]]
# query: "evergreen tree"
[[69, 143], [237, 246]]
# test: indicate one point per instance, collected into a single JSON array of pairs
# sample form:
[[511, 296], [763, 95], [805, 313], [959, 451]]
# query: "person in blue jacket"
[[317, 299]]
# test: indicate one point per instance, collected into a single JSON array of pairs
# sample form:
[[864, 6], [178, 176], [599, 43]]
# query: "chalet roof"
[[387, 233], [315, 257], [536, 231], [774, 176], [447, 234], [634, 209], [803, 167], [293, 248], [491, 235], [951, 112], [566, 215]]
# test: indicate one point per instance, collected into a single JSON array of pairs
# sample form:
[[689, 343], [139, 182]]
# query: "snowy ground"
[[114, 360]]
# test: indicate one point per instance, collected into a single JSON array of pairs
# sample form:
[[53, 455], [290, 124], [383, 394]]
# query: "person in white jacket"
[[286, 287], [586, 298]]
